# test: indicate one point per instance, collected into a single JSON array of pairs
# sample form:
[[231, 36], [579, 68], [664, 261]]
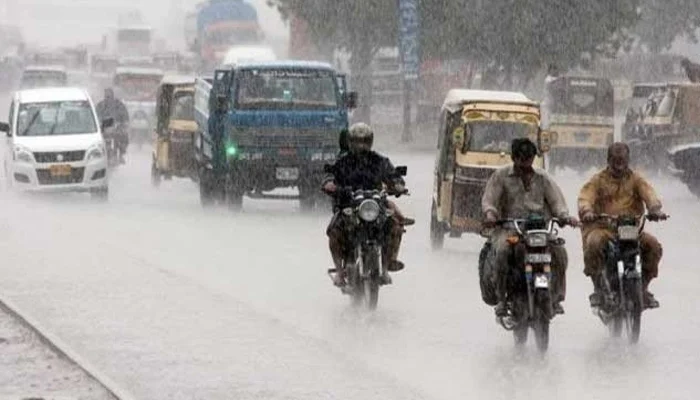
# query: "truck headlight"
[[368, 210]]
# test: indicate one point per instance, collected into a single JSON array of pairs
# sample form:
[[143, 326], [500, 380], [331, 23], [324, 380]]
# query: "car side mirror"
[[5, 127], [350, 99], [107, 123], [401, 170]]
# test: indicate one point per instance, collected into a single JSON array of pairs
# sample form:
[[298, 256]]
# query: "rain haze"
[[167, 273]]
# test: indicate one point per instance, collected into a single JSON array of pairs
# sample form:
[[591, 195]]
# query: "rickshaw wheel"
[[437, 236], [155, 175]]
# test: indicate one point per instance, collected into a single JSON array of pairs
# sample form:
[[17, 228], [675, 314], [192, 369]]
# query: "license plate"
[[287, 174], [538, 258], [60, 170], [541, 281]]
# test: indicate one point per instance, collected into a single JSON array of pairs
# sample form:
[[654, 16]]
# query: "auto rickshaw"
[[474, 139], [173, 150], [581, 111], [670, 119]]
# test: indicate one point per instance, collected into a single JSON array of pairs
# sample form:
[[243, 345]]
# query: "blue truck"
[[268, 125]]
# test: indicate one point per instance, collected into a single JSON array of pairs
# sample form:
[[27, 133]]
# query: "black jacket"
[[366, 172]]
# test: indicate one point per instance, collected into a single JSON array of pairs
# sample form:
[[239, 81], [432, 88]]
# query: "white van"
[[55, 143]]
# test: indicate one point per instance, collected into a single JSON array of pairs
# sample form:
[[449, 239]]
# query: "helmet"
[[360, 138], [523, 148]]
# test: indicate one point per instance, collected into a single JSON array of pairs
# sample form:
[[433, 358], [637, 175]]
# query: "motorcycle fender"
[[541, 281]]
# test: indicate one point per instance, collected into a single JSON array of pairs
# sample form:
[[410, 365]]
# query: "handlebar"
[[639, 218]]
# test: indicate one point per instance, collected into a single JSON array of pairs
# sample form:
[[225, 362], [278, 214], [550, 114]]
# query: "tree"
[[662, 21], [359, 27]]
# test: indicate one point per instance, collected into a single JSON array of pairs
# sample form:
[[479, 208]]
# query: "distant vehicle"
[[222, 24], [581, 111], [269, 125], [239, 54], [34, 77], [55, 142], [137, 61], [137, 88], [173, 149], [134, 40]]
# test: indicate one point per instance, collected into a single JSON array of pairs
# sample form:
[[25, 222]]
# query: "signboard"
[[408, 38]]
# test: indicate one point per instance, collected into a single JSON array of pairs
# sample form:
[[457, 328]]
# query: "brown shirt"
[[605, 194], [506, 196]]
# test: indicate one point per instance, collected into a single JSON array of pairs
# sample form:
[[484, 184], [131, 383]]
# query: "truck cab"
[[269, 125]]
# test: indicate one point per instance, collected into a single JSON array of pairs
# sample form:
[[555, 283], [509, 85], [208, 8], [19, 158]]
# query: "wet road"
[[177, 303]]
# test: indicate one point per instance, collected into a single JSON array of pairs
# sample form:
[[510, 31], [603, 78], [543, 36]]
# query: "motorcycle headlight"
[[537, 240], [368, 210], [23, 155]]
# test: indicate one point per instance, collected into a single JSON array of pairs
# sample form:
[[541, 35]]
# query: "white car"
[[55, 143]]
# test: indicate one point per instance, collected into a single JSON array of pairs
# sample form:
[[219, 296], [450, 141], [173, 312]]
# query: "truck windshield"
[[580, 97], [183, 107], [56, 118], [496, 136], [287, 89]]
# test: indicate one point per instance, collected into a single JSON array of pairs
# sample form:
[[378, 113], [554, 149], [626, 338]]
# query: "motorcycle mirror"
[[401, 170], [4, 127], [107, 123]]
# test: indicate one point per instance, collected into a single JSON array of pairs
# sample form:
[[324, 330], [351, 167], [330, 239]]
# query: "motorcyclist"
[[111, 107], [618, 190], [362, 168], [516, 191]]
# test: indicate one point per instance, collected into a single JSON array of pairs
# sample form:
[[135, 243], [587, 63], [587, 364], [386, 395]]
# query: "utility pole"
[[410, 59]]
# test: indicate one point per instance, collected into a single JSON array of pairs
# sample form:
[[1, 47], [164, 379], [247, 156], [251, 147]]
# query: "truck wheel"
[[206, 194]]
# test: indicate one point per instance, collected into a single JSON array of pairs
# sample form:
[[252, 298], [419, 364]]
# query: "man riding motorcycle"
[[111, 107], [362, 168], [515, 191], [618, 190]]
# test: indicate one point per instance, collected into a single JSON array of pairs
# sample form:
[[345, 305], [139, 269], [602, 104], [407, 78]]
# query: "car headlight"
[[368, 210], [537, 240], [95, 153], [23, 155]]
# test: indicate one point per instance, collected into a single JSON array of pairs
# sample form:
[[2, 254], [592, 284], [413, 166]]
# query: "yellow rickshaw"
[[474, 139], [173, 150]]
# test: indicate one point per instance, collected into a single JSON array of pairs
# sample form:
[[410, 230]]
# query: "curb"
[[60, 347]]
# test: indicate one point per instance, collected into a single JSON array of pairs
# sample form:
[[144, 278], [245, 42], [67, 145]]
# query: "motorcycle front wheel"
[[540, 323], [633, 311]]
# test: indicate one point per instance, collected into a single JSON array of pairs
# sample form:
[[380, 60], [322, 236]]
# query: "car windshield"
[[287, 89], [496, 136], [183, 107], [56, 118]]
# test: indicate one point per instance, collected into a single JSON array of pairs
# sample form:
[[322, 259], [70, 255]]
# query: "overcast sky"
[[65, 22]]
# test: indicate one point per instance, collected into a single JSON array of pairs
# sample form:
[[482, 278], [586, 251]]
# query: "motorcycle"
[[621, 280], [529, 285], [367, 220], [114, 154]]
